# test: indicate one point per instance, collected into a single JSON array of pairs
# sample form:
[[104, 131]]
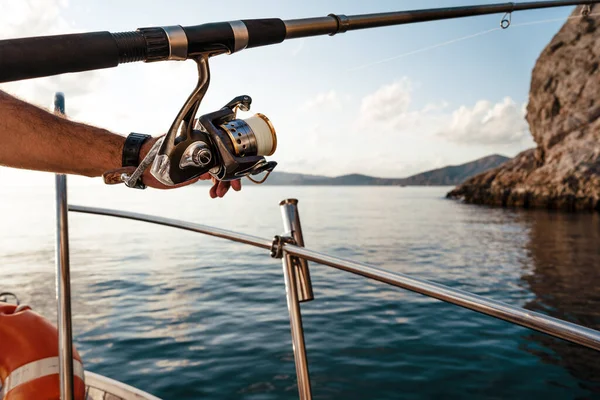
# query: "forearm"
[[32, 138]]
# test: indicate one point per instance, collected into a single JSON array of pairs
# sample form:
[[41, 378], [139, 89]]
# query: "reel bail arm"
[[189, 144]]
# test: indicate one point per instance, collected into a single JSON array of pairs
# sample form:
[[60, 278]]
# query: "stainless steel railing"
[[63, 291], [298, 287]]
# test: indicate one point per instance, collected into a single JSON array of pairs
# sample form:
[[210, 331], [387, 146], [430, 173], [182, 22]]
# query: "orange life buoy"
[[29, 357]]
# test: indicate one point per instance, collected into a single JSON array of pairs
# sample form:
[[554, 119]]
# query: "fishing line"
[[424, 49], [460, 39]]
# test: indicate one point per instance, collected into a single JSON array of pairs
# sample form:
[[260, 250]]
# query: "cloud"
[[487, 123], [31, 18], [328, 99], [388, 101], [388, 110], [436, 106]]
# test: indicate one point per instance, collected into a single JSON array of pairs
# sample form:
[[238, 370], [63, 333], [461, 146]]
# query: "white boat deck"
[[99, 387]]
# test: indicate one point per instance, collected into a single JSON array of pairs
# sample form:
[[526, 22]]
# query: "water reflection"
[[565, 278]]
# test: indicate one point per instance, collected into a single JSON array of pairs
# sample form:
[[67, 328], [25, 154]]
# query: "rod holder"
[[292, 228]]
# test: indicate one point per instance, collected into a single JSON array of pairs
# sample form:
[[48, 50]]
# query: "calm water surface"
[[185, 316]]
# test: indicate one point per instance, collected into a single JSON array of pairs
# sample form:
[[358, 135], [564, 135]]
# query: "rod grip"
[[262, 32], [50, 55], [219, 36]]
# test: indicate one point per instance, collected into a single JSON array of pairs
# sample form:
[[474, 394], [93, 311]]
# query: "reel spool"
[[253, 136]]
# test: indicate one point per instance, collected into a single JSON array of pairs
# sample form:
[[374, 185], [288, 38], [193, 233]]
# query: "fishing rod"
[[219, 143], [50, 55]]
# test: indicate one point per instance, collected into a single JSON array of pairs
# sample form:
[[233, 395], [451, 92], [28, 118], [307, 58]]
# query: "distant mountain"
[[290, 178], [450, 175], [456, 174]]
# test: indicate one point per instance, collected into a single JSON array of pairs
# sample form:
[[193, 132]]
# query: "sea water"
[[186, 316]]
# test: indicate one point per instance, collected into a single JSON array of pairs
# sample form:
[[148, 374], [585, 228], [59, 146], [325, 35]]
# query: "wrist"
[[132, 157], [132, 149], [132, 152]]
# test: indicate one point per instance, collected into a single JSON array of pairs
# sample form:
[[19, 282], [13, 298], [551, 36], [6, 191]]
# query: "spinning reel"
[[218, 143]]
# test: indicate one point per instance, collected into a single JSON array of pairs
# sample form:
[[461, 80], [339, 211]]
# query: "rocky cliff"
[[563, 171]]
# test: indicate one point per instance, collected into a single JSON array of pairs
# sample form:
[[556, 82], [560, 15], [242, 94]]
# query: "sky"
[[387, 102]]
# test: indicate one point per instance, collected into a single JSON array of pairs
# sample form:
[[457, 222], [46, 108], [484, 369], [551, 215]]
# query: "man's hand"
[[218, 189]]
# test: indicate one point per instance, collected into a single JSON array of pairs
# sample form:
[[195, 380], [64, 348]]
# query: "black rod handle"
[[50, 55]]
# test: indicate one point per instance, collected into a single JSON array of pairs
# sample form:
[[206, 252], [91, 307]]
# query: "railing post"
[[63, 291], [289, 212], [63, 278]]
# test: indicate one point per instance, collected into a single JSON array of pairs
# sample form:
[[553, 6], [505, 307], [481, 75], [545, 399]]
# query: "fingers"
[[219, 189], [213, 190], [223, 188]]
